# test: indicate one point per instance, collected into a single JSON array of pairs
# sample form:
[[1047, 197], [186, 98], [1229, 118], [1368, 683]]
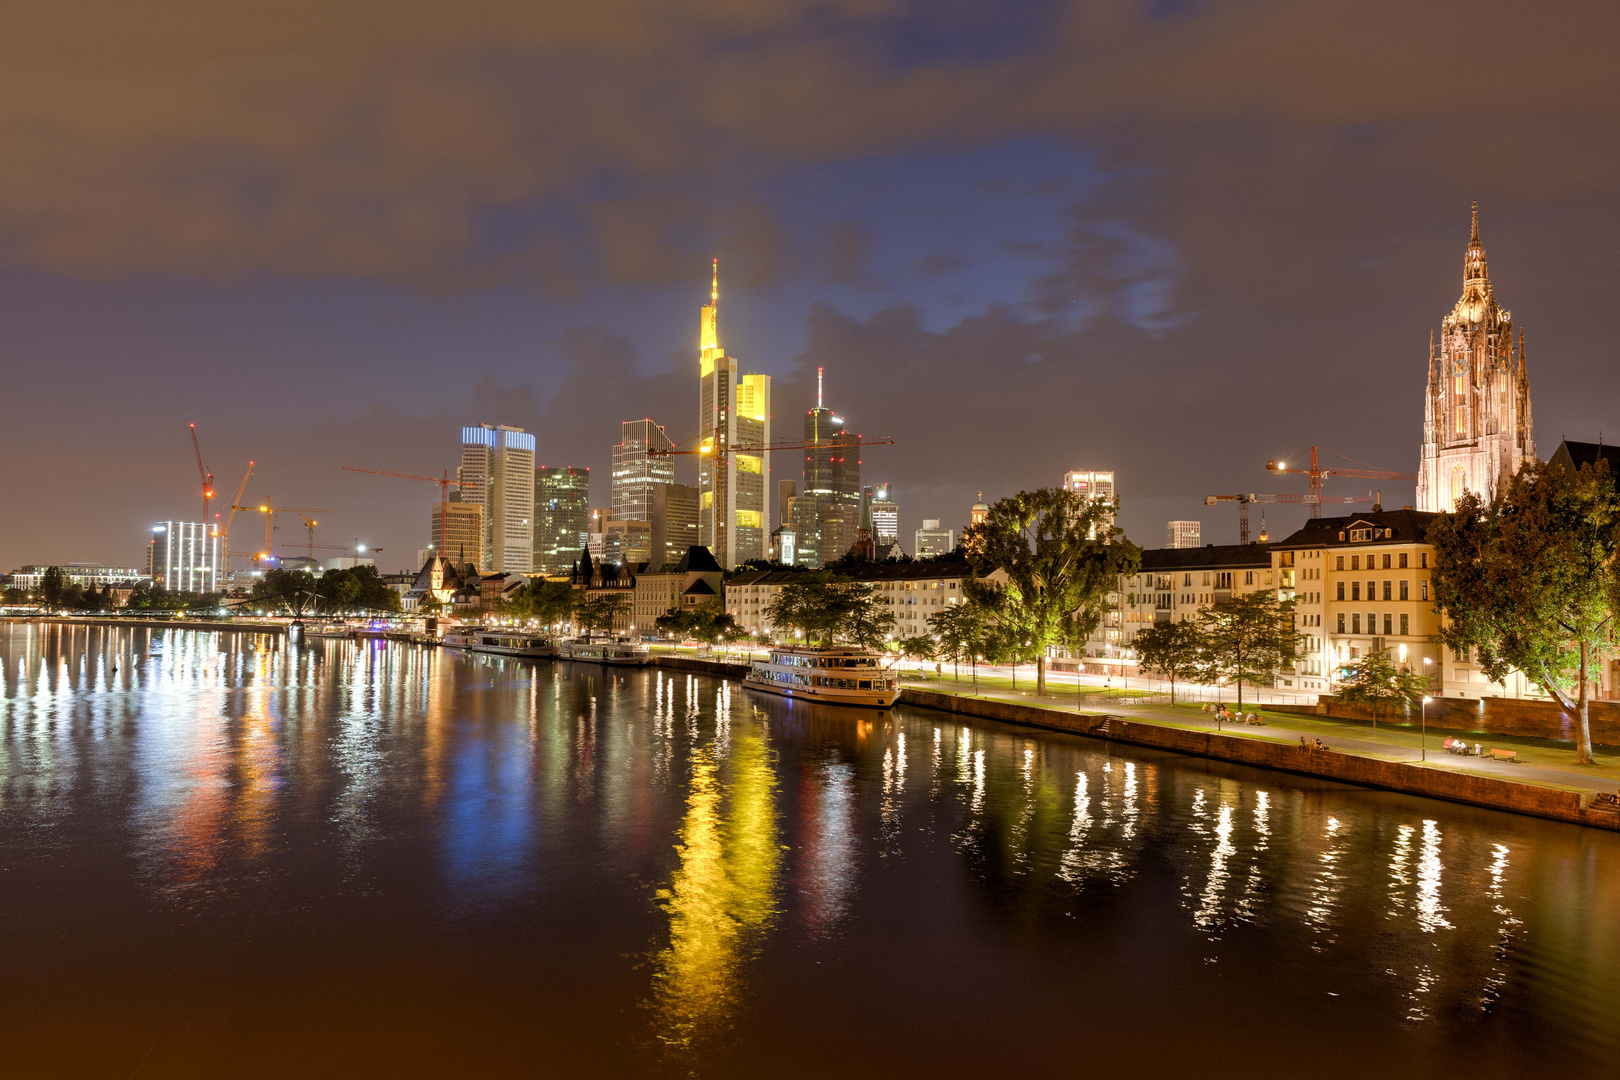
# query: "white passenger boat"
[[836, 676], [513, 643], [459, 638], [618, 653]]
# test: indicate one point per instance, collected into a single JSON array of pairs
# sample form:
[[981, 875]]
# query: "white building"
[[911, 591], [1093, 486], [933, 540], [89, 575], [497, 471], [184, 556], [1183, 534]]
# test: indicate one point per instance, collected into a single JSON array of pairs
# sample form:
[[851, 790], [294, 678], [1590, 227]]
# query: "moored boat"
[[513, 643], [617, 653], [835, 676], [459, 638]]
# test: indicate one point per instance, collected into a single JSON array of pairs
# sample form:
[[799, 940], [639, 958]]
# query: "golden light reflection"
[[722, 897]]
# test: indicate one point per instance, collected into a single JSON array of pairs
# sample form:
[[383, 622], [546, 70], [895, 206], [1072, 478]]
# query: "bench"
[[1502, 755]]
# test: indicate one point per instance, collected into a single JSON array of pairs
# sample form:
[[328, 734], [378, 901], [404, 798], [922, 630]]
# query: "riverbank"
[[230, 626]]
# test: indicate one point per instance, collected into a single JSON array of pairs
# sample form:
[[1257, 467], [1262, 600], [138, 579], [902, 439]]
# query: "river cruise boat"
[[513, 643], [617, 653], [835, 676], [459, 638]]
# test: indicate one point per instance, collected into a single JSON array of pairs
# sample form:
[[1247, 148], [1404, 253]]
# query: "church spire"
[[1473, 239], [1474, 261]]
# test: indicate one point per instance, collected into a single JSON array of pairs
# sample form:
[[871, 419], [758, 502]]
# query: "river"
[[222, 854]]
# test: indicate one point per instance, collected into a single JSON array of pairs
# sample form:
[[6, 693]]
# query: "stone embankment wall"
[[239, 626], [1485, 716], [1435, 783], [720, 668]]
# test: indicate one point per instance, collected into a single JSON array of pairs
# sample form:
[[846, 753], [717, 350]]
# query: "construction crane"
[[444, 483], [1319, 474], [225, 534], [270, 513], [310, 523], [202, 471], [1243, 502], [355, 549]]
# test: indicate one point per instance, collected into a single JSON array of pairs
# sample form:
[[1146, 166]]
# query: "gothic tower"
[[1476, 416]]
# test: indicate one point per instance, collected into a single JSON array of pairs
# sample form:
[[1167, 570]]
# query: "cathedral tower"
[[1476, 415]]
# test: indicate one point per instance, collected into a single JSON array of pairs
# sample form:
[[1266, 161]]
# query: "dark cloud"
[[849, 252]]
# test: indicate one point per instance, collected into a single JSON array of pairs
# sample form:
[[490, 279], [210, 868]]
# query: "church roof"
[[1572, 455], [697, 560]]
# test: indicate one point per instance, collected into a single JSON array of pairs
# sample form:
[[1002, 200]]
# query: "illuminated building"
[[563, 521], [183, 556], [911, 591], [90, 575], [674, 519], [1476, 412], [785, 490], [497, 471], [978, 511], [1092, 486], [458, 529], [933, 540], [734, 422], [832, 478], [882, 516], [636, 473], [1183, 534]]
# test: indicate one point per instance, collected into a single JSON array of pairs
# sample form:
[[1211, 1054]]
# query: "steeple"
[[1474, 271]]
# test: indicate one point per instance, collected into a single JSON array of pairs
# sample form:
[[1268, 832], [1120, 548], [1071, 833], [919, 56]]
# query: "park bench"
[[1502, 755]]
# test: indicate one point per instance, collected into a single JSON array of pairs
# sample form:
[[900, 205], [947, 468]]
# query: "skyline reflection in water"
[[382, 856]]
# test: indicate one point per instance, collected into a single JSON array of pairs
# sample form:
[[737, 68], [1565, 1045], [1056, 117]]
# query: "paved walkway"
[[1280, 730]]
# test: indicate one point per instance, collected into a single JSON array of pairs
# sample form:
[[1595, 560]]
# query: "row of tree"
[[355, 590], [1243, 640], [58, 593]]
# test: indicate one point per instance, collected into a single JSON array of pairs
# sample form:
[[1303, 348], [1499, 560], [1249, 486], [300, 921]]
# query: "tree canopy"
[[1062, 555], [600, 612], [1246, 639], [832, 610], [1530, 581], [1376, 681], [1173, 649]]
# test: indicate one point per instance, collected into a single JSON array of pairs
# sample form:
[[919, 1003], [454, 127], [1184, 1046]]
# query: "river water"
[[224, 855]]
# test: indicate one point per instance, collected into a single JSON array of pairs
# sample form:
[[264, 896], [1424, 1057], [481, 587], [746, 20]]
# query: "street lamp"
[[1423, 728]]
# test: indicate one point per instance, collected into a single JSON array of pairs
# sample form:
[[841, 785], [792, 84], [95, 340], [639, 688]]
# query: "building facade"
[[184, 556], [497, 472], [685, 585], [1091, 485], [674, 520], [882, 516], [89, 575], [563, 521], [911, 592], [827, 515], [933, 540], [1171, 586], [1183, 534], [1476, 411], [734, 424], [458, 529], [636, 472]]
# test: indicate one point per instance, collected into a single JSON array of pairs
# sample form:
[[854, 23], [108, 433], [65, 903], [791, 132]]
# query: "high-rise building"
[[832, 477], [458, 530], [785, 490], [619, 541], [183, 556], [636, 472], [674, 518], [733, 411], [1476, 412], [1093, 486], [497, 471], [933, 540], [1183, 534], [563, 524], [882, 516]]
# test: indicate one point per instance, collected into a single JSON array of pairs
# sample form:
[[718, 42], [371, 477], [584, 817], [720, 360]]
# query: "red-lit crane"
[[202, 471], [1243, 502], [1319, 474]]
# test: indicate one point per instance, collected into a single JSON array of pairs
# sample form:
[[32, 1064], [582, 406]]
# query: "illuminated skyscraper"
[[460, 536], [184, 556], [564, 517], [497, 470], [733, 411], [832, 477], [1183, 534], [1476, 413], [882, 516], [636, 473], [933, 540]]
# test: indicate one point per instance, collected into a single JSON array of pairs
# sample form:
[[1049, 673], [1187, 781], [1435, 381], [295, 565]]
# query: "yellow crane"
[[225, 533], [270, 513]]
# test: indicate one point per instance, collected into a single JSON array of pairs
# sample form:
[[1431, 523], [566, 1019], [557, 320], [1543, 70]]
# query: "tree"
[[1376, 682], [430, 605], [1530, 580], [53, 587], [829, 609], [960, 631], [1247, 638], [601, 611], [358, 588], [919, 647], [1062, 555], [1172, 649]]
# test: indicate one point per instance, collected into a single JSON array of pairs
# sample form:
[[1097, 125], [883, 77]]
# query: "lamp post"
[[1423, 728]]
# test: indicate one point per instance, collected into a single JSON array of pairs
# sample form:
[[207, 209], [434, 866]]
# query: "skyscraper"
[[832, 477], [933, 540], [183, 556], [1183, 534], [733, 412], [785, 490], [1476, 412], [1094, 486], [563, 524], [636, 473], [674, 517], [882, 516], [458, 530], [497, 471]]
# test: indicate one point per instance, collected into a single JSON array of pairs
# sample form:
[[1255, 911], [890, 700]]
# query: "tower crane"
[[1319, 474], [270, 513], [444, 483], [225, 534], [1243, 502], [202, 471]]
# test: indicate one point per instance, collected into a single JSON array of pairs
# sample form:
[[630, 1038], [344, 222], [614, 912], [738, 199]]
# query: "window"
[[1341, 590], [1404, 595], [1423, 589], [1389, 624], [1355, 590], [1355, 562], [1340, 565], [1423, 560], [1461, 424], [1387, 586], [1186, 581], [1206, 577], [1405, 627], [1372, 590], [1386, 561], [1372, 622], [1355, 623], [1248, 577], [1341, 622], [1403, 560]]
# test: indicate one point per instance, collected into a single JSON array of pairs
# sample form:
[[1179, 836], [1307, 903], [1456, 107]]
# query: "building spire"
[[818, 386], [1474, 261], [1473, 238], [714, 290]]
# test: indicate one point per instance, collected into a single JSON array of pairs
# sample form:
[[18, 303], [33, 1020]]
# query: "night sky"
[[1170, 238]]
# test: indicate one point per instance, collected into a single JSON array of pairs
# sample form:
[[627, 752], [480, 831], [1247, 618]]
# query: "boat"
[[617, 653], [342, 633], [513, 643], [402, 635], [459, 638], [835, 676]]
